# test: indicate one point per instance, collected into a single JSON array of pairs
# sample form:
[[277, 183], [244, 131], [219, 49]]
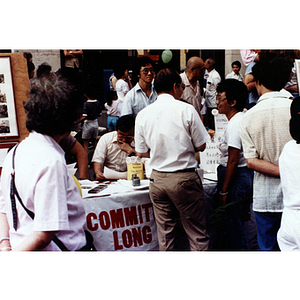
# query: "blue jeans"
[[268, 225], [228, 220]]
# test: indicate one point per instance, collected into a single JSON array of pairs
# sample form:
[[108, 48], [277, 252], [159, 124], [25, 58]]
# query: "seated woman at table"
[[42, 180], [234, 178], [114, 147]]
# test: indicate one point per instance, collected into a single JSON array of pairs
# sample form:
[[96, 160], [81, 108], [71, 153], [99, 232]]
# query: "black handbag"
[[13, 192]]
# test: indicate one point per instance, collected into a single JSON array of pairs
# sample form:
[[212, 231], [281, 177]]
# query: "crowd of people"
[[168, 118]]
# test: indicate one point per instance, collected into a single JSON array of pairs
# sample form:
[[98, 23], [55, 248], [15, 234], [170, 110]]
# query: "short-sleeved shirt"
[[212, 80], [264, 130], [108, 153], [122, 88], [91, 109], [192, 95], [47, 188], [253, 95], [232, 75], [231, 138], [136, 99], [171, 129], [289, 166]]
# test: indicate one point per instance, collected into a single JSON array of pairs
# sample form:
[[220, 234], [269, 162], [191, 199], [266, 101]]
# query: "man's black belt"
[[185, 170]]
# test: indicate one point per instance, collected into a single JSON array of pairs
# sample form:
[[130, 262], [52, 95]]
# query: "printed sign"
[[122, 222]]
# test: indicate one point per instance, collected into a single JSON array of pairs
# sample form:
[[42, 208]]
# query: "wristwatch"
[[132, 154]]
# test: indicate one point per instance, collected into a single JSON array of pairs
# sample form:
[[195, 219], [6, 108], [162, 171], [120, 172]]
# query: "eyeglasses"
[[220, 100], [125, 137], [146, 71]]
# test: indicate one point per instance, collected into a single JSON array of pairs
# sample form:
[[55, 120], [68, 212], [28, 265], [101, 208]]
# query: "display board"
[[14, 91]]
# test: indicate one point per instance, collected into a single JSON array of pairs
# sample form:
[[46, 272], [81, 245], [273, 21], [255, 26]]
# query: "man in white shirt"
[[235, 74], [169, 132], [212, 78], [143, 93], [114, 147]]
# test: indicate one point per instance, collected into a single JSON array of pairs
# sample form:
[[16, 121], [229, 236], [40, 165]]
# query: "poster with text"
[[8, 120]]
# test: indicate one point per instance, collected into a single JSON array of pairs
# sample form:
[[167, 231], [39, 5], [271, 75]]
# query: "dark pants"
[[268, 225], [228, 220]]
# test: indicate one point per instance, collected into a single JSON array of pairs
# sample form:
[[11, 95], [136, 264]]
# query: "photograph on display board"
[[8, 120]]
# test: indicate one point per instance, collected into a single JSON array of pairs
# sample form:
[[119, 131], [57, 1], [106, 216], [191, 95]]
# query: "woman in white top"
[[123, 85], [289, 166], [234, 178], [42, 179]]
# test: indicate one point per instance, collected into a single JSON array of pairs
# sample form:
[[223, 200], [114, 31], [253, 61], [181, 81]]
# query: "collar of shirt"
[[272, 95]]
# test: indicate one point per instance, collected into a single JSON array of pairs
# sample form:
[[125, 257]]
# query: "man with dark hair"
[[264, 131], [143, 93], [170, 131], [212, 79], [114, 147], [235, 74]]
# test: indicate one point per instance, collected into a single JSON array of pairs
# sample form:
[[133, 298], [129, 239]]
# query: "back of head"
[[125, 123], [142, 62], [295, 120], [165, 79], [211, 62], [44, 70], [120, 70], [53, 107], [111, 96], [235, 90], [272, 74]]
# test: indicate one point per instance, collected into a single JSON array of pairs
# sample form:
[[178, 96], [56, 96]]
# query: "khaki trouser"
[[173, 193]]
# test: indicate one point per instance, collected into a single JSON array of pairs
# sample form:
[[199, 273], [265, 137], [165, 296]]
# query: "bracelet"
[[223, 194], [5, 248], [3, 239]]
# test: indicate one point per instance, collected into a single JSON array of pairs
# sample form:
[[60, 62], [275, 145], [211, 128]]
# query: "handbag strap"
[[13, 192]]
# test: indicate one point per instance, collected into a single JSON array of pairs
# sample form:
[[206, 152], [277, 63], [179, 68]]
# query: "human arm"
[[72, 53], [4, 233], [145, 154], [80, 120], [263, 166], [38, 240], [292, 88], [82, 160], [233, 160], [200, 148], [98, 171], [249, 81]]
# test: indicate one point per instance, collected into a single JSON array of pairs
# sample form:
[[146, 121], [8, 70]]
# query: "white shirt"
[[192, 95], [122, 88], [212, 80], [264, 130], [136, 99], [231, 138], [47, 188], [171, 129], [289, 166], [108, 153], [232, 75]]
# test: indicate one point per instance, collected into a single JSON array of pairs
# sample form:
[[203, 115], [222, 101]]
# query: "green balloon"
[[166, 56]]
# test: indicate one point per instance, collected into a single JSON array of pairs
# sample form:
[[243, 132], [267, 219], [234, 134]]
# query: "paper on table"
[[112, 188], [111, 174]]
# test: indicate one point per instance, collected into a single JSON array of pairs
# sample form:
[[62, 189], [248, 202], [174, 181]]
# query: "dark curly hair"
[[295, 120], [53, 107]]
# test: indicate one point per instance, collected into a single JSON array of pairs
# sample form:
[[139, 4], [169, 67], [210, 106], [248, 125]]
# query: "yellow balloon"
[[166, 56]]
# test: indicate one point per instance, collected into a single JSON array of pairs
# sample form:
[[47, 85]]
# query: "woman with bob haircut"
[[288, 236], [53, 208]]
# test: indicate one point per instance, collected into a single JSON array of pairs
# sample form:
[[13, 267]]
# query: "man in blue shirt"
[[143, 93]]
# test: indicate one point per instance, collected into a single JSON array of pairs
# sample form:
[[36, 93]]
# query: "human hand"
[[125, 147], [222, 199], [100, 176]]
